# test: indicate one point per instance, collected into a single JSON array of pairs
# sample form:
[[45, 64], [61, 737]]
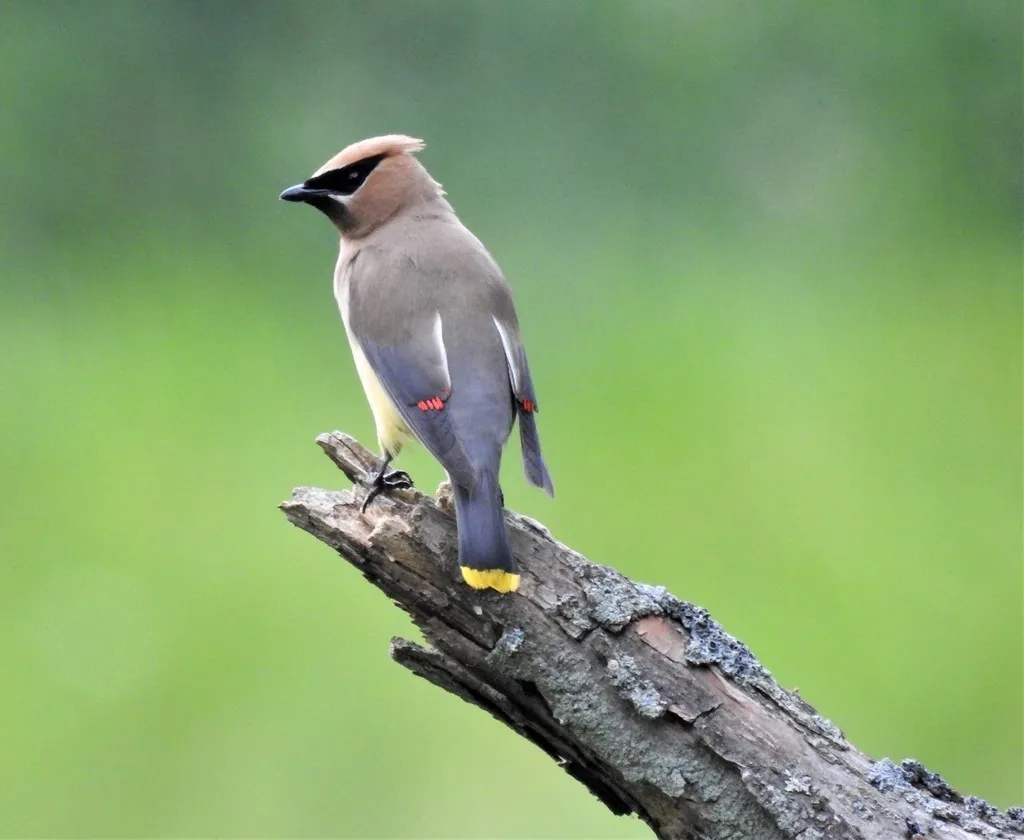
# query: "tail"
[[484, 553]]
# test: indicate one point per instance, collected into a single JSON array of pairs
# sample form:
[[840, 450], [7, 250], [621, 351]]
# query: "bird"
[[435, 338]]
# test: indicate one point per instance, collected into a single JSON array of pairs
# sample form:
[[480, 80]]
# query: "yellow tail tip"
[[490, 579]]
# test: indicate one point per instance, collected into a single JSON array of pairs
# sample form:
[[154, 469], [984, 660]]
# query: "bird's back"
[[431, 264]]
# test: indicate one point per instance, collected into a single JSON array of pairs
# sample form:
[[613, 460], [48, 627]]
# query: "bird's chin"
[[333, 209]]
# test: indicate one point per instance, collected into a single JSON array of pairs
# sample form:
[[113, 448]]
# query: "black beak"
[[298, 193], [318, 198]]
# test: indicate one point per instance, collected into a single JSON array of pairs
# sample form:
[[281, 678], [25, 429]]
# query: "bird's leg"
[[385, 479]]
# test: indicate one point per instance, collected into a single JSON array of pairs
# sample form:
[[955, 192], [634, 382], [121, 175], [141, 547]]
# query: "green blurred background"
[[770, 251]]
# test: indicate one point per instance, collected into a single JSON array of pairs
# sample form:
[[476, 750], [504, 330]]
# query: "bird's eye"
[[347, 179]]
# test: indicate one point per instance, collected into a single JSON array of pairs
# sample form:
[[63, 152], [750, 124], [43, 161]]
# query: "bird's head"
[[367, 183]]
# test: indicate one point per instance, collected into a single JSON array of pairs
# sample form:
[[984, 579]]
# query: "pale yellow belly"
[[391, 429]]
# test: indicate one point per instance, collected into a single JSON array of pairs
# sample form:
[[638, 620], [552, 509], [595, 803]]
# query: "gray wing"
[[404, 346], [526, 405]]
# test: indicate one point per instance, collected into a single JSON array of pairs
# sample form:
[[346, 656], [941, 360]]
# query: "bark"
[[639, 695]]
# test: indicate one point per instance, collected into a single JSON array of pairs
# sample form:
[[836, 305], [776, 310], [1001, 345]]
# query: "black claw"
[[397, 480], [385, 479]]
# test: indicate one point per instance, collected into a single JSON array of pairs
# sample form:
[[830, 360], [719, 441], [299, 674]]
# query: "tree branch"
[[640, 696]]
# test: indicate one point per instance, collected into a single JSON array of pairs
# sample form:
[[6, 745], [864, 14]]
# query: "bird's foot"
[[385, 479]]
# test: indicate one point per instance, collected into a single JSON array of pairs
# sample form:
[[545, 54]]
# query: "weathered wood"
[[640, 696]]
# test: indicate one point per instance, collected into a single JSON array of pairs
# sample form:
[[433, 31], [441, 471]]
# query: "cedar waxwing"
[[434, 335]]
